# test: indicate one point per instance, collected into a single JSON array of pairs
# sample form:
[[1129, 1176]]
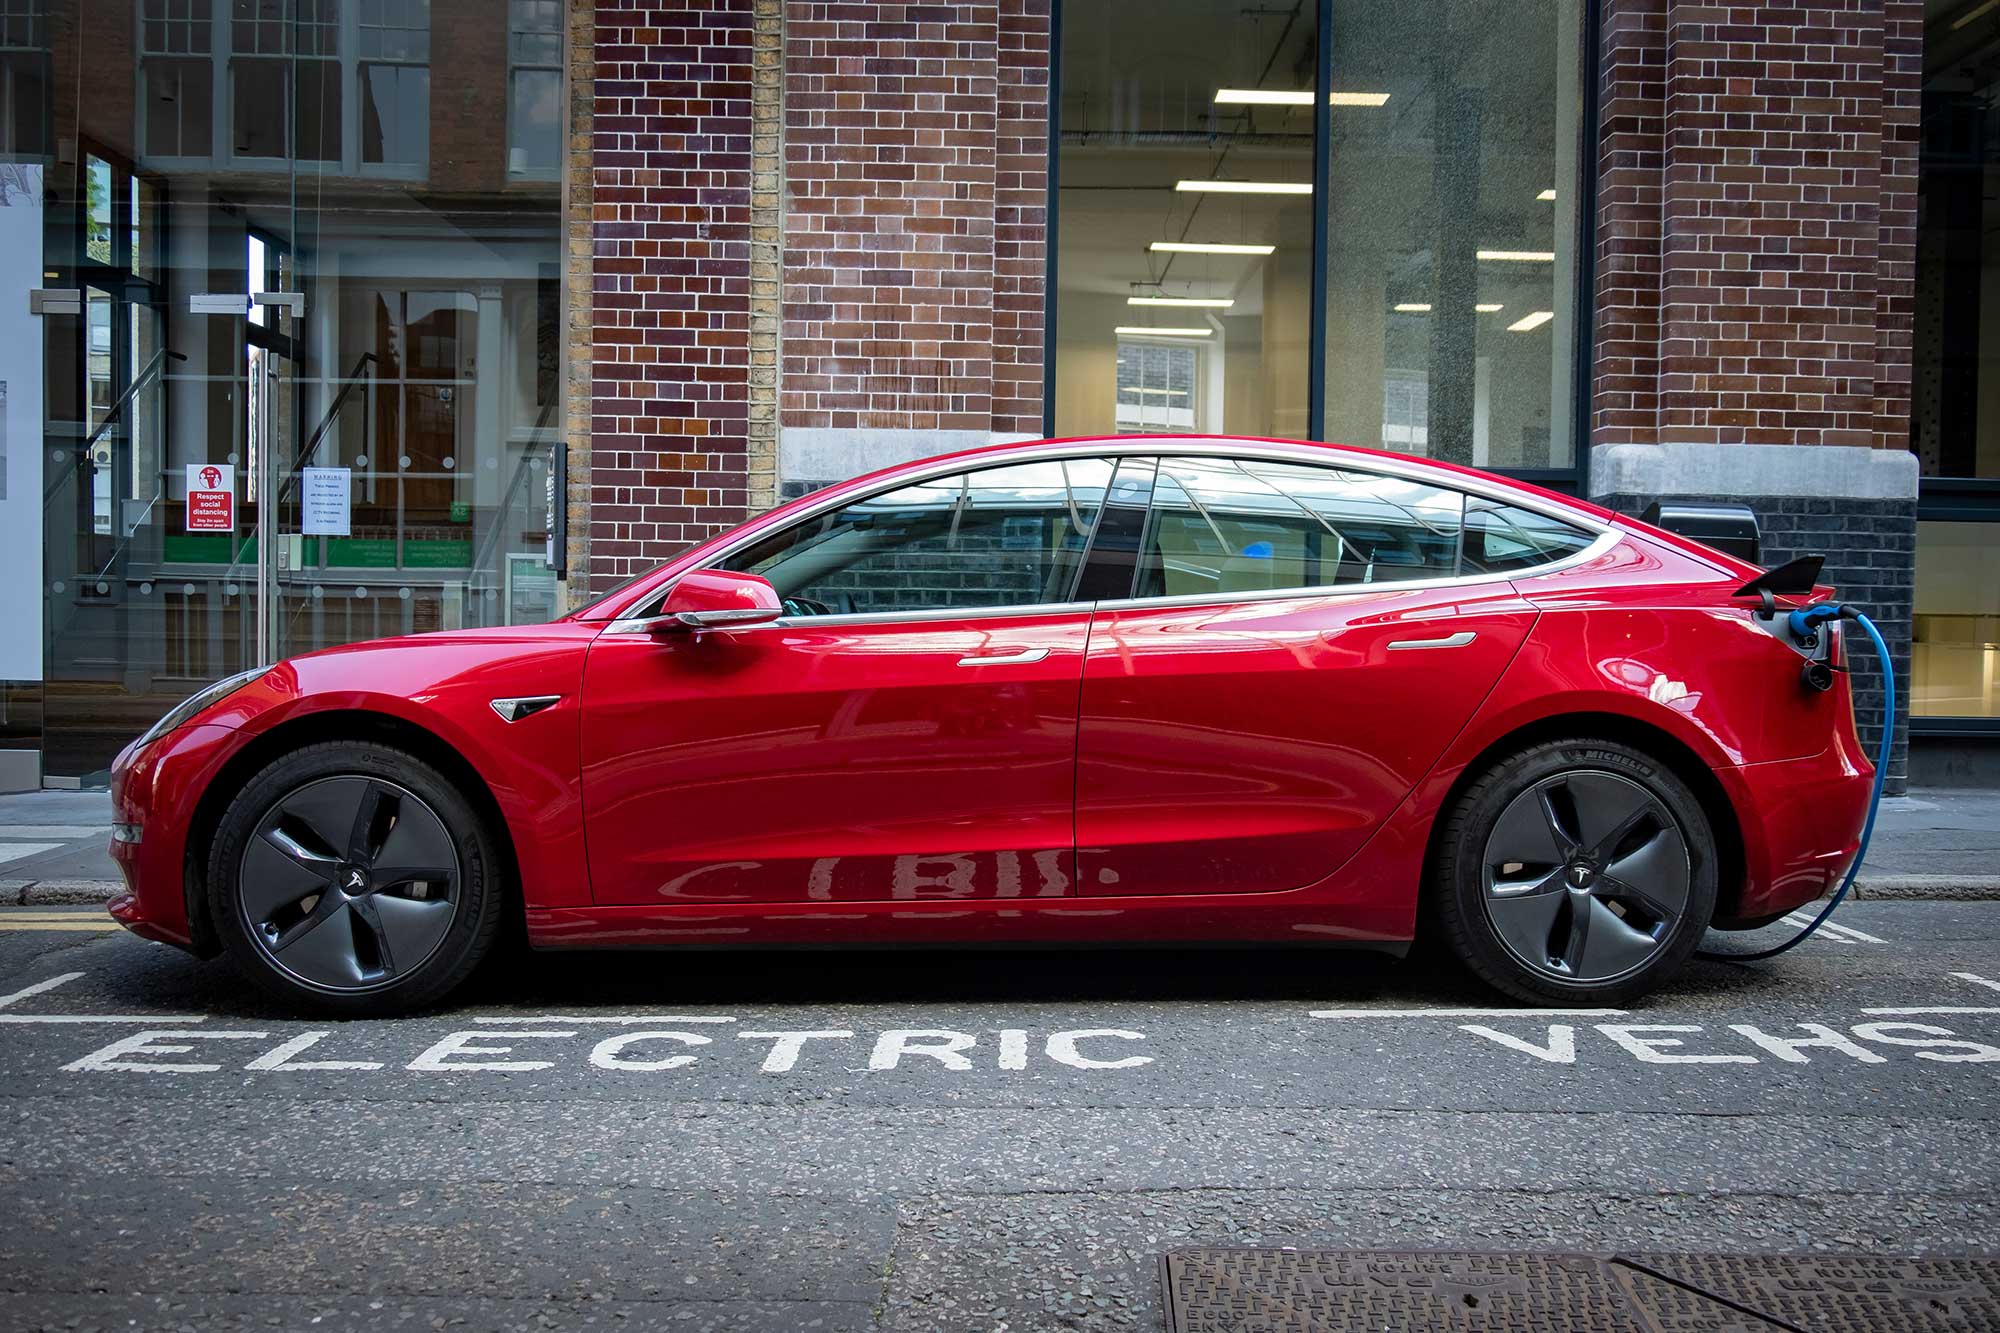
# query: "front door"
[[907, 732], [1271, 694]]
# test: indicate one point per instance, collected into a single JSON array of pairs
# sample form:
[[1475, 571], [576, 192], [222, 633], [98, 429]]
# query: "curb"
[[1915, 888], [58, 892]]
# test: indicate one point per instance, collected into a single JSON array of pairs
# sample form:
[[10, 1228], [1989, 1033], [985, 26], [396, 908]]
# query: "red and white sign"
[[211, 497]]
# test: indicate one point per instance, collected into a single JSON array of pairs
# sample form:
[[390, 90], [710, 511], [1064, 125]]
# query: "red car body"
[[1246, 770]]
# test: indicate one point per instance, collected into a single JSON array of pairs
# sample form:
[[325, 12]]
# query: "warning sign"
[[211, 497]]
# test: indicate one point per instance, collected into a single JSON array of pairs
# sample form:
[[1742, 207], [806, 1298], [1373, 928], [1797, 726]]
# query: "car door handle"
[[1458, 640], [1005, 659]]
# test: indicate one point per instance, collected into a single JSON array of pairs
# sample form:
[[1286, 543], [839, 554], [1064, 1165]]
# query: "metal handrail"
[[153, 367], [352, 382], [492, 538]]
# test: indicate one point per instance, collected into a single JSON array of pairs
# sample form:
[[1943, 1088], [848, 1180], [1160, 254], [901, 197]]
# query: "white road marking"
[[1467, 1013], [14, 851], [1561, 1049], [65, 832], [60, 979], [600, 1018], [1972, 977], [119, 1055], [1933, 1009], [1835, 933], [103, 1018]]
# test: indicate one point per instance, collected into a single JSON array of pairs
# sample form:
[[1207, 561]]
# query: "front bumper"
[[157, 789], [1801, 821]]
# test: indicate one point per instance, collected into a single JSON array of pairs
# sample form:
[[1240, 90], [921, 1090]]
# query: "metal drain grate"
[[1335, 1291]]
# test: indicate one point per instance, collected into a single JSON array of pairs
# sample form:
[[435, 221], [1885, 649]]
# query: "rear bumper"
[[157, 788], [1801, 821]]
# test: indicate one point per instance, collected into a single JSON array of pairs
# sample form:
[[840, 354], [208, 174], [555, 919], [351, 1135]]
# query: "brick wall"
[[890, 117], [1756, 221], [670, 298], [1021, 216]]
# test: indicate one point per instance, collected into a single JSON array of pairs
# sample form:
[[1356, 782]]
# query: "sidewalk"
[[1933, 843]]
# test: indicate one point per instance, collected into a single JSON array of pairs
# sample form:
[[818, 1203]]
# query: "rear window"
[[1500, 538]]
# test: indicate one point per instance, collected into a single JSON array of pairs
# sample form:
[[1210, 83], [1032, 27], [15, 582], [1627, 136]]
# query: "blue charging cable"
[[1805, 622]]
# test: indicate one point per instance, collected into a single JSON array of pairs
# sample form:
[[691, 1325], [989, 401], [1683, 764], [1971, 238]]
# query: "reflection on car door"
[[1234, 736], [908, 732]]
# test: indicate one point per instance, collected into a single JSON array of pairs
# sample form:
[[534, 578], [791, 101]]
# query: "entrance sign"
[[211, 497], [326, 501]]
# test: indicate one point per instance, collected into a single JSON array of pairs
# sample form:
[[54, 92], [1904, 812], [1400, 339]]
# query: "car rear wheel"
[[1575, 870], [354, 878]]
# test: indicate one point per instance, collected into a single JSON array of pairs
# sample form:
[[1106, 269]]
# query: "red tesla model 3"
[[1117, 690]]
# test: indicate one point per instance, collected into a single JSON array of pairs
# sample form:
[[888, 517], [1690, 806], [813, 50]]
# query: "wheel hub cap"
[[1586, 874], [349, 882]]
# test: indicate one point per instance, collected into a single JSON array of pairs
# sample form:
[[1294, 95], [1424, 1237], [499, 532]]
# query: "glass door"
[[298, 365]]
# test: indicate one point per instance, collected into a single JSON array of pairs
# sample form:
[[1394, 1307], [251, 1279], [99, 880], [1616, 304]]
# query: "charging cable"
[[1805, 624]]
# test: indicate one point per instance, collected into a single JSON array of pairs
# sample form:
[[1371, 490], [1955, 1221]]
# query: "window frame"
[[640, 616]]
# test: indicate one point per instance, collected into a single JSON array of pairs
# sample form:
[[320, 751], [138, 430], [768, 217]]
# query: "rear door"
[[1299, 649]]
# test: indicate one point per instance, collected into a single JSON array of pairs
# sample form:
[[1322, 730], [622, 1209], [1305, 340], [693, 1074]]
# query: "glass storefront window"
[[1955, 373], [388, 408], [1955, 389], [1451, 231], [1955, 639], [1185, 218], [1185, 221]]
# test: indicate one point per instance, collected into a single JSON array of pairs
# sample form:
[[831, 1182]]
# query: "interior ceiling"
[[1138, 114]]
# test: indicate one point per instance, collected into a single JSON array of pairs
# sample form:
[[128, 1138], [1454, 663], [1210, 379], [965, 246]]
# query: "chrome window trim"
[[1304, 453]]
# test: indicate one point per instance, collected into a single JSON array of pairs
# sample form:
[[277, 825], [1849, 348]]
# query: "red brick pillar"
[[1755, 231], [670, 300]]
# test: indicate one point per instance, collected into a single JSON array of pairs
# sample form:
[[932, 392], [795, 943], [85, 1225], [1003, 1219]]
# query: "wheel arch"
[[1659, 743], [343, 724]]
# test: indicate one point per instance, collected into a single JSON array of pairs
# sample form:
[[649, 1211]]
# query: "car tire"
[[1575, 871], [353, 878]]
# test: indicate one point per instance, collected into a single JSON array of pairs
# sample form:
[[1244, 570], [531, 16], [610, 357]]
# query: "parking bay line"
[[60, 979], [31, 926], [1467, 1013], [63, 979], [1977, 980], [598, 1018]]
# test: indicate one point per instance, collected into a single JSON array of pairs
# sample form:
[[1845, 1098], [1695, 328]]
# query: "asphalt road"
[[964, 1141]]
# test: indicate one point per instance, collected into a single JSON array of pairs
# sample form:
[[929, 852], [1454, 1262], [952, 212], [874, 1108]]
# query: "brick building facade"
[[1752, 255]]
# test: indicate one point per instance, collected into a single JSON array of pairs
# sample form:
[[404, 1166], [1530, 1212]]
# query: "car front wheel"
[[354, 878], [1575, 870]]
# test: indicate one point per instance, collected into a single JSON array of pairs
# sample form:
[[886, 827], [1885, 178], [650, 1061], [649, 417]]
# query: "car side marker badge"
[[513, 710]]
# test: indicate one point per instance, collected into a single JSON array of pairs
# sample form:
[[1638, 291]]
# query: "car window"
[[1223, 525], [1499, 538], [1003, 536]]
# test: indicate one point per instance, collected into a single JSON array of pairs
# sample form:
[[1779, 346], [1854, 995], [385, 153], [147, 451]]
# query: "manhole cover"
[[1334, 1291]]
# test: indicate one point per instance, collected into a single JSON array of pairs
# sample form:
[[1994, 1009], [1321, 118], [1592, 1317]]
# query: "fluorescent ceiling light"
[[1548, 196], [1275, 97], [1484, 308], [1190, 302], [1971, 16], [1489, 308], [1526, 256], [1246, 187], [1140, 330], [1214, 248], [1532, 320], [1171, 393]]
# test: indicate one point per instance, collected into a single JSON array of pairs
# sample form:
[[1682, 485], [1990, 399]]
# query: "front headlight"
[[199, 700]]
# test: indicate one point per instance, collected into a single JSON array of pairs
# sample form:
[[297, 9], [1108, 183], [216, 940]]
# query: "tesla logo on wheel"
[[355, 879]]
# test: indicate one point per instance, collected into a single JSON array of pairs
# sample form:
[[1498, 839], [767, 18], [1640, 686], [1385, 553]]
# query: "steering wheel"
[[805, 606]]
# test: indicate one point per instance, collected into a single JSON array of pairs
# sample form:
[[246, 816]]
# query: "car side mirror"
[[719, 599]]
